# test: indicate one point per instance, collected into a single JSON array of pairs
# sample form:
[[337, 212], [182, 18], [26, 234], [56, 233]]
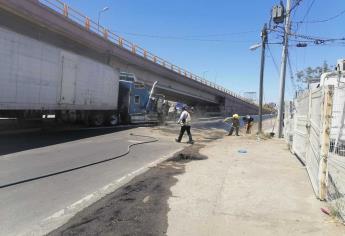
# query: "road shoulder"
[[247, 187]]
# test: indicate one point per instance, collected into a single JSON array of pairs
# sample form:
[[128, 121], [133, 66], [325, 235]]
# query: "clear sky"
[[212, 38]]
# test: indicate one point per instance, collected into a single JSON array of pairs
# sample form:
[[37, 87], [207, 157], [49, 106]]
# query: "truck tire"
[[113, 120], [97, 119]]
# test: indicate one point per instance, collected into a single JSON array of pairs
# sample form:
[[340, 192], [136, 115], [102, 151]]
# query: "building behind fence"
[[314, 128]]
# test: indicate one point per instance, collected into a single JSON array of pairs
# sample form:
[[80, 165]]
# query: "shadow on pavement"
[[138, 208], [12, 143]]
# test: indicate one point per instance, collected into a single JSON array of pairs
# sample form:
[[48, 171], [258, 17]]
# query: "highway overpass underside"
[[23, 27], [36, 21]]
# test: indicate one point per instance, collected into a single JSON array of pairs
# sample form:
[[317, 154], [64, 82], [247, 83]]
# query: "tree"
[[272, 107], [310, 74]]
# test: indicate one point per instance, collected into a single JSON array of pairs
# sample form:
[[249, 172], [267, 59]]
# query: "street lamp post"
[[262, 68], [204, 73], [99, 15]]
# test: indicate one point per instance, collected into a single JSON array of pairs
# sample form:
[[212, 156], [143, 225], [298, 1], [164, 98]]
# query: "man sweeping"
[[249, 123], [185, 122]]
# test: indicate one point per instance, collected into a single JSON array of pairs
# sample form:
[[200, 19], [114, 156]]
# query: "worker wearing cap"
[[249, 123], [185, 122], [235, 124]]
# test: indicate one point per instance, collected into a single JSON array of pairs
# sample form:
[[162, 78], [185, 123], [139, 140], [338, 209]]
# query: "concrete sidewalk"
[[265, 191]]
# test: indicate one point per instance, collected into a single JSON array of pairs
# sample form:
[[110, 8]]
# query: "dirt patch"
[[191, 153], [138, 208]]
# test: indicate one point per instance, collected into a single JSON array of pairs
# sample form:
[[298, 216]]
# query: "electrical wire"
[[202, 38], [306, 14], [316, 39], [82, 166], [291, 72], [311, 39], [324, 20], [308, 37], [308, 10], [295, 5], [273, 59], [191, 36]]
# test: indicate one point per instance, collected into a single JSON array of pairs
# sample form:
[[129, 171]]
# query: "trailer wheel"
[[113, 120], [97, 119]]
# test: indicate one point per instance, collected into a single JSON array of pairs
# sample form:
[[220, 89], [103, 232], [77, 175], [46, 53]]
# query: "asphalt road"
[[37, 207], [138, 208]]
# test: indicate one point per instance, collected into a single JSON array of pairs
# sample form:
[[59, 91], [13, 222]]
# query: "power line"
[[316, 38], [223, 34], [295, 5], [308, 10], [291, 72], [274, 61], [308, 38], [324, 20], [194, 37], [294, 66], [307, 13]]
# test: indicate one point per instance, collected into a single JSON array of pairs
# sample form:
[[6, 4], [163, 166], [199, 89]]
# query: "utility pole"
[[262, 68], [283, 69]]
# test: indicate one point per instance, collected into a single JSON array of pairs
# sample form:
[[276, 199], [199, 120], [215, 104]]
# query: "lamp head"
[[105, 9], [255, 46]]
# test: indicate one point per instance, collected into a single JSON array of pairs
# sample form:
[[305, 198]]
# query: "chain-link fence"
[[308, 121], [336, 160]]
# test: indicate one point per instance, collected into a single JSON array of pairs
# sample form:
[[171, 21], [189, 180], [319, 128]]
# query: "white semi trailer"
[[37, 78]]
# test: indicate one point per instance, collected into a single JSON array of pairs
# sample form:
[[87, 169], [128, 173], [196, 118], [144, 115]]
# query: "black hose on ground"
[[84, 166]]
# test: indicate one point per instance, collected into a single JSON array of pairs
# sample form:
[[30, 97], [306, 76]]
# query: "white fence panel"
[[314, 129], [288, 123], [319, 140], [300, 125]]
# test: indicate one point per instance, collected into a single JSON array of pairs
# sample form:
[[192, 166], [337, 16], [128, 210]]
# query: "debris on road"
[[326, 211], [242, 151]]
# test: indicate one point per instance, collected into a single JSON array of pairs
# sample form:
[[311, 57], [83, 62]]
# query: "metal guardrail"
[[92, 26]]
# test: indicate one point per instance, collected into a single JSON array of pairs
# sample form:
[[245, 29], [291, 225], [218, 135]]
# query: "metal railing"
[[92, 26]]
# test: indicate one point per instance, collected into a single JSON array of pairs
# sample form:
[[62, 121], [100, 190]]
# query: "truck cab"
[[135, 103], [128, 77]]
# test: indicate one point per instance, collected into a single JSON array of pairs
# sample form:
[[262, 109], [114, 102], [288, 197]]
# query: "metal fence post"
[[87, 23], [65, 10], [326, 119], [120, 42]]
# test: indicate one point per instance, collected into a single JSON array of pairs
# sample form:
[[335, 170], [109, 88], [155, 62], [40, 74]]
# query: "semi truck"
[[38, 79]]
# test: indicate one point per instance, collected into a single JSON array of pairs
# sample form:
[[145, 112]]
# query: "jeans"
[[183, 129], [249, 128], [234, 128]]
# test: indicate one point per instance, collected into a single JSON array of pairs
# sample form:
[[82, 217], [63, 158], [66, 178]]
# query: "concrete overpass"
[[56, 23]]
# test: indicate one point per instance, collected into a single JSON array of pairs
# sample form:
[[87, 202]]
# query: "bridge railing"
[[79, 18]]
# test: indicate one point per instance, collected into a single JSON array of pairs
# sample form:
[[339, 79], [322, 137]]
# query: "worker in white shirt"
[[185, 122]]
